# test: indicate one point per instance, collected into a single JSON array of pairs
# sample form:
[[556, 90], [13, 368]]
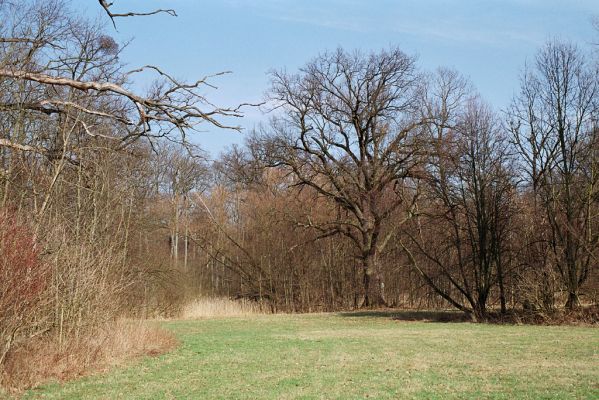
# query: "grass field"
[[353, 356]]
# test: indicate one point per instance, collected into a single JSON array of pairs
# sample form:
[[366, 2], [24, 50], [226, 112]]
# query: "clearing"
[[353, 356]]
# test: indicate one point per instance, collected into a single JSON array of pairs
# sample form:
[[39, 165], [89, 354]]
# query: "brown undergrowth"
[[584, 316], [43, 359]]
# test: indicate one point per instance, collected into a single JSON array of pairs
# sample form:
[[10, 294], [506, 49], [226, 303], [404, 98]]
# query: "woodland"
[[374, 184]]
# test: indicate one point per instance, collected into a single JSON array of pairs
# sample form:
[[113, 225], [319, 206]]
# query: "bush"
[[43, 359], [23, 280]]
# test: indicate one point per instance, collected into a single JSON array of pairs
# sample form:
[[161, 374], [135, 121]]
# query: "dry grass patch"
[[214, 307], [45, 359]]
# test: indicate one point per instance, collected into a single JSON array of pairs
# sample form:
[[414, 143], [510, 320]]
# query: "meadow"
[[352, 356]]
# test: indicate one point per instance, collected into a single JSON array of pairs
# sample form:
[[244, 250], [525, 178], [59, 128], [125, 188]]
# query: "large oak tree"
[[347, 126]]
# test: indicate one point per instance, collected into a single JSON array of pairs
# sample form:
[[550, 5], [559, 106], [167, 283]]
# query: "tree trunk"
[[573, 301], [501, 285], [480, 312], [372, 285]]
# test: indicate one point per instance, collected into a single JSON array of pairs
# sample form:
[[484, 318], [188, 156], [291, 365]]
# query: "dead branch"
[[106, 6]]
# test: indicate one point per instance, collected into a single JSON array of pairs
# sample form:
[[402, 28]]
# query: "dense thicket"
[[91, 194]]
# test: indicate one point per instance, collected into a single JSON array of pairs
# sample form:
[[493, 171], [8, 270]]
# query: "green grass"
[[353, 356]]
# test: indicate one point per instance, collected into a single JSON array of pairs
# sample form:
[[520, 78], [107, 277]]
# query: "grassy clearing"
[[354, 356]]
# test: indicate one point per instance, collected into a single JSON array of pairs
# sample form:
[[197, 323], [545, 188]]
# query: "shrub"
[[23, 280]]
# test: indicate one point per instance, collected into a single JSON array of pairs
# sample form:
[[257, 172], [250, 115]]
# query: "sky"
[[488, 41]]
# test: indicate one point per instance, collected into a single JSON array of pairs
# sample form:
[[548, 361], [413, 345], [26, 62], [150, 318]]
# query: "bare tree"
[[348, 129], [458, 240], [553, 121], [74, 71], [182, 173]]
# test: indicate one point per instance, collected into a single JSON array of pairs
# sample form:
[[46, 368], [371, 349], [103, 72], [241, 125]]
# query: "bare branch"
[[176, 104], [21, 147], [106, 6]]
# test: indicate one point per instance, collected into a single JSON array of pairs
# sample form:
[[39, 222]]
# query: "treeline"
[[378, 184], [375, 184]]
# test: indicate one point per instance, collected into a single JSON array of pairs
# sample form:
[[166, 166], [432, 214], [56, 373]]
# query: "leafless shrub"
[[44, 359], [24, 279]]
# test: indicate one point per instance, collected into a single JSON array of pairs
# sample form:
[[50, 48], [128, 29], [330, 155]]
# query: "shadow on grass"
[[402, 315]]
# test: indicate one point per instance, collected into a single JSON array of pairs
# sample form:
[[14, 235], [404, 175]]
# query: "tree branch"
[[106, 6]]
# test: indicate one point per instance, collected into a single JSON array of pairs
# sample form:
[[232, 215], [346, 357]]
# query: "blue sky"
[[486, 40]]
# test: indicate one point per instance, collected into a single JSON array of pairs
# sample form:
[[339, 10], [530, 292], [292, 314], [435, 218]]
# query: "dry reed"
[[215, 307]]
